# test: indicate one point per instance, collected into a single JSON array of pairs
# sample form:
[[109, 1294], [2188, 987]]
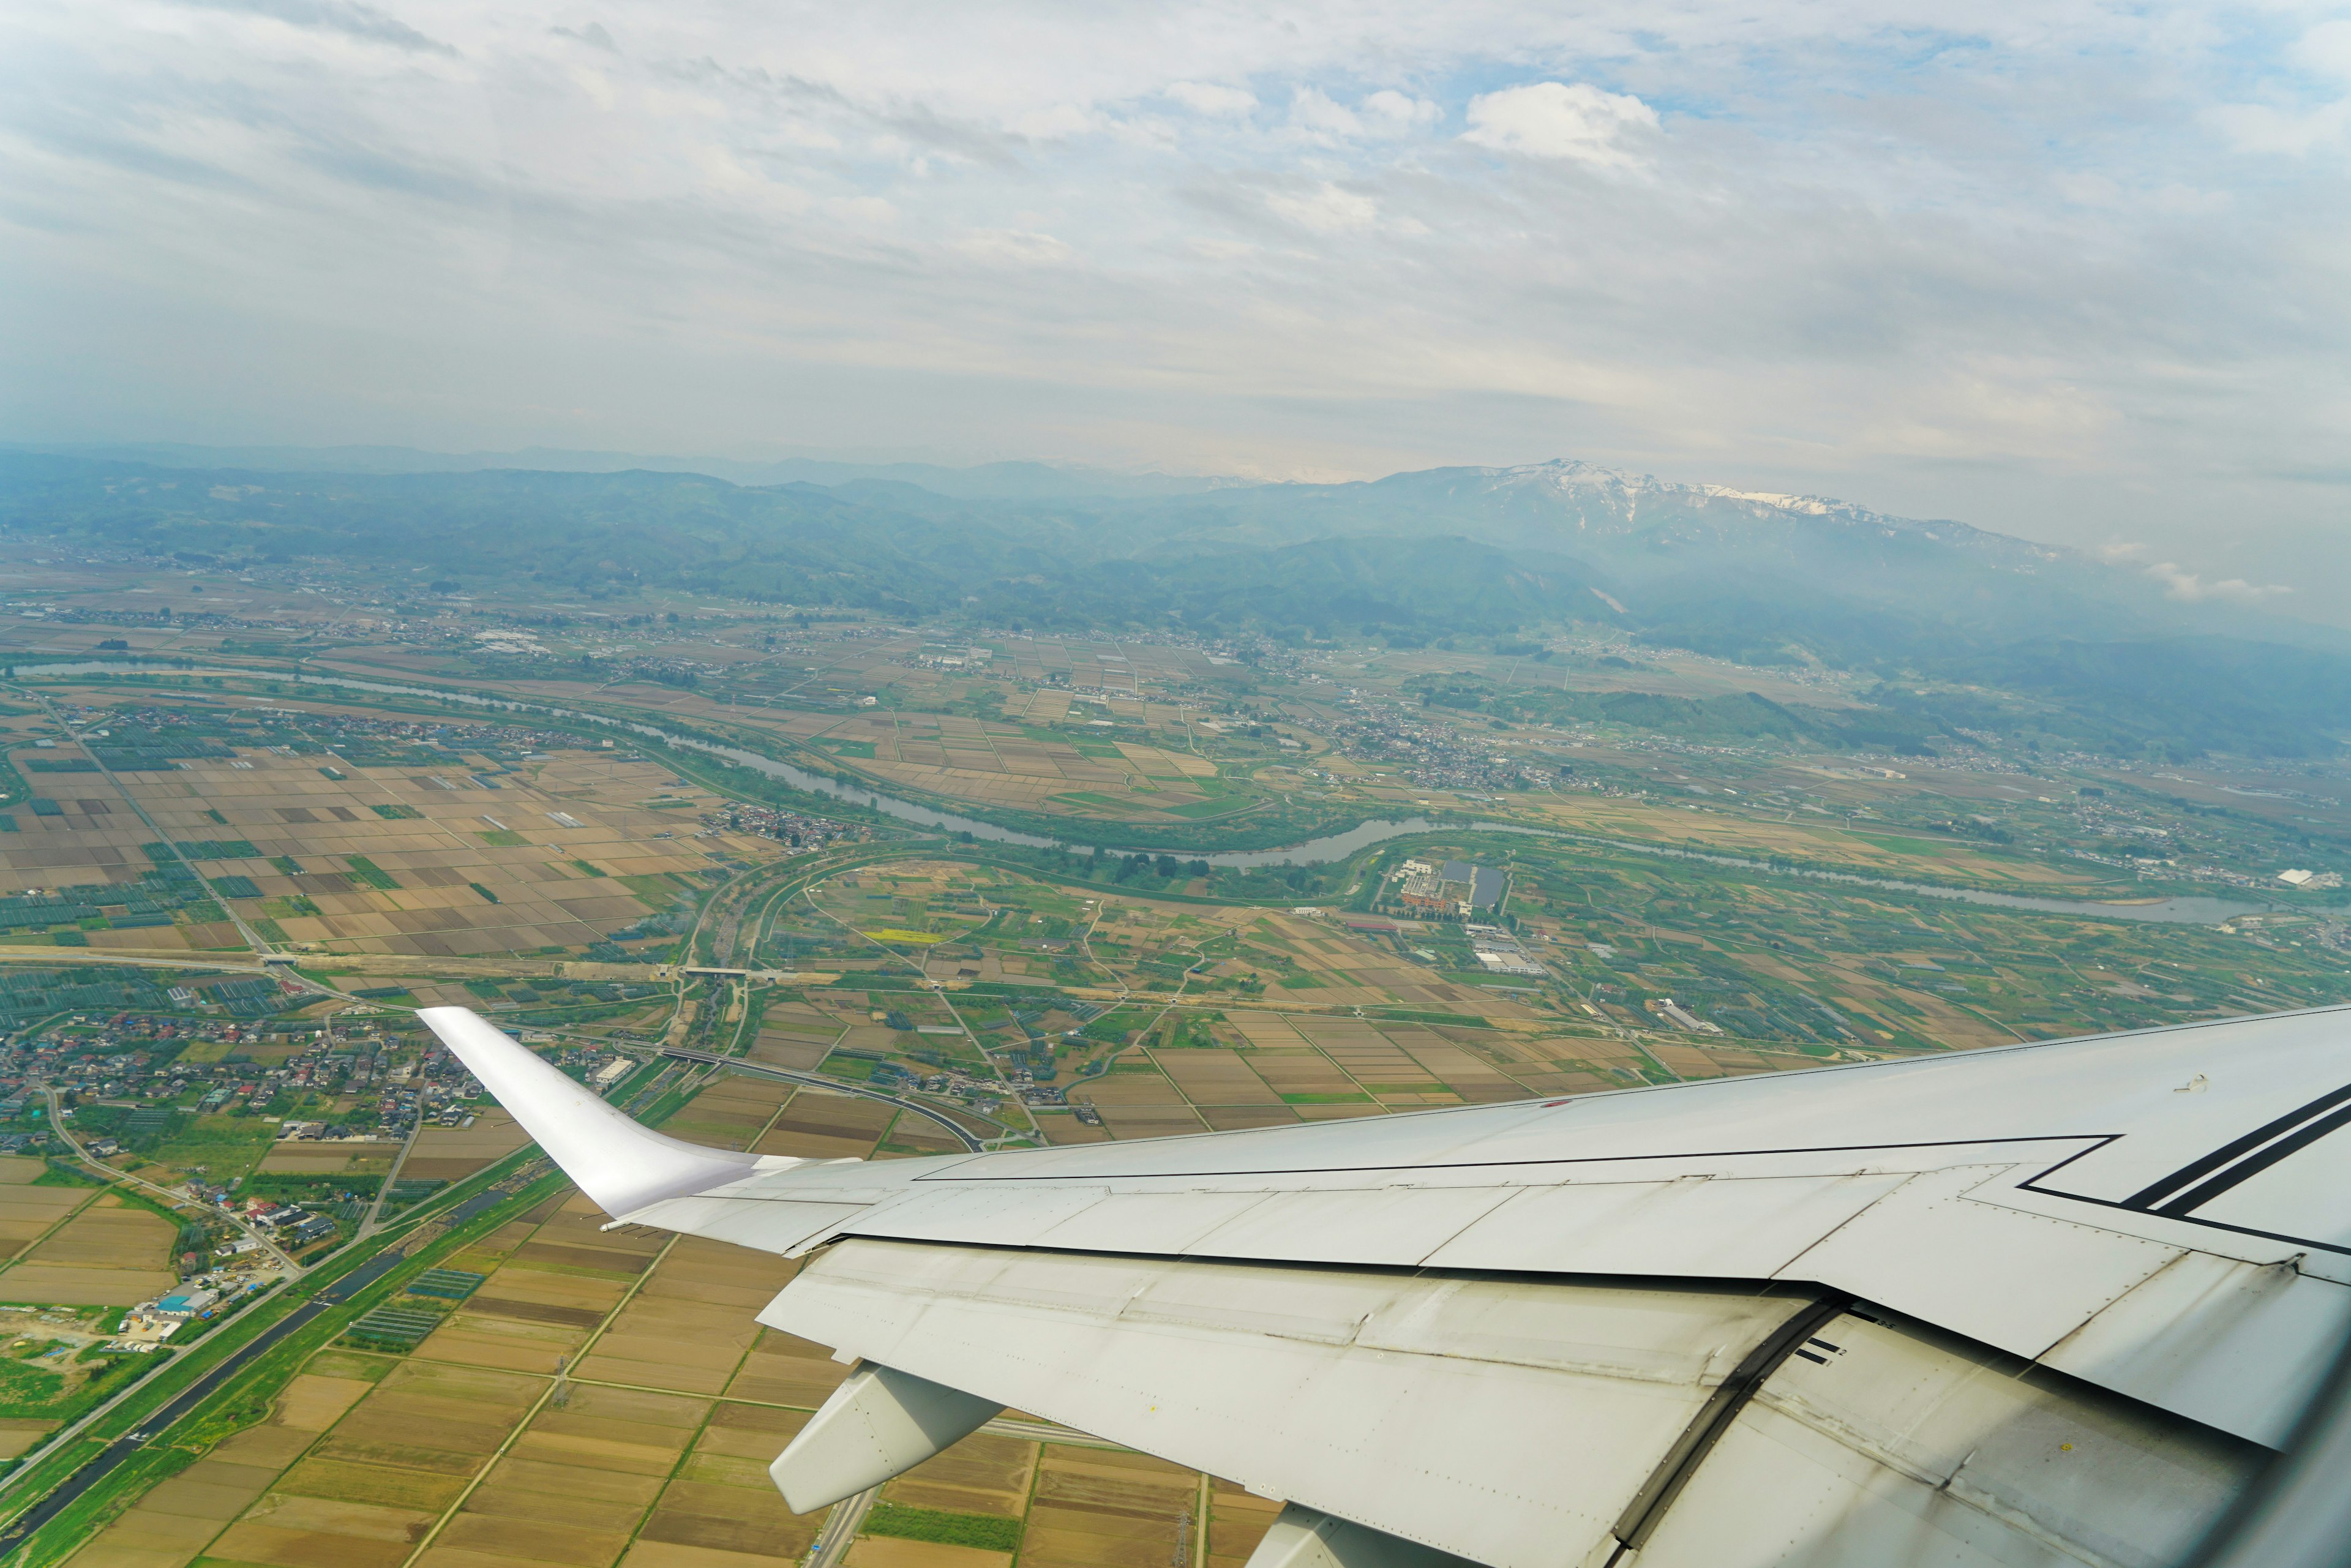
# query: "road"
[[119, 1452], [839, 1529], [817, 1081], [938, 988], [373, 1222]]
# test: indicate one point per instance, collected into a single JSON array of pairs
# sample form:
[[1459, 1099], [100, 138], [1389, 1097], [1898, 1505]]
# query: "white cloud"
[[1210, 98], [1327, 209], [1322, 118], [1574, 121], [2186, 586], [1397, 113], [2261, 128], [864, 210], [2326, 50], [1015, 248], [1058, 123]]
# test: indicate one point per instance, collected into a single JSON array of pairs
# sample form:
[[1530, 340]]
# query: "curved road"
[[686, 1053]]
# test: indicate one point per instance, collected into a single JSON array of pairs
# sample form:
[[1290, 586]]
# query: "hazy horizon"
[[2072, 273]]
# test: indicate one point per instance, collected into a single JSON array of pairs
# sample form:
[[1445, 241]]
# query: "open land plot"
[[384, 1471], [729, 1111], [547, 1501], [1094, 1508], [720, 1510], [543, 1300], [1237, 1520], [453, 1154], [820, 1125], [983, 1474], [914, 1137], [110, 1253], [27, 1212], [690, 1325], [330, 1157], [175, 1521]]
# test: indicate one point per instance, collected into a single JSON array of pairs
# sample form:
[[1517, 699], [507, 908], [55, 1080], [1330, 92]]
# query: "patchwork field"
[[449, 856]]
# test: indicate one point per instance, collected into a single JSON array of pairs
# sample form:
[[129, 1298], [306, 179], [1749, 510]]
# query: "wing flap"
[[1502, 1421]]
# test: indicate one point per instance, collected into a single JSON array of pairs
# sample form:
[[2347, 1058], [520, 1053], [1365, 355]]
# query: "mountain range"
[[1964, 629]]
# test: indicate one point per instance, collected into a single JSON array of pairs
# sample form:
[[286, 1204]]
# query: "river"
[[2181, 911]]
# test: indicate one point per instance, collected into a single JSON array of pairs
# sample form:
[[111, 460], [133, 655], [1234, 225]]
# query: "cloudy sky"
[[2072, 269]]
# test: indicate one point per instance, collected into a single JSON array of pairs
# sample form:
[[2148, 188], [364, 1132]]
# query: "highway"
[[687, 1053], [839, 1529]]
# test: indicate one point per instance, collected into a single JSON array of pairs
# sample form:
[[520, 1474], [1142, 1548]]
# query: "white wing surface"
[[2044, 1303]]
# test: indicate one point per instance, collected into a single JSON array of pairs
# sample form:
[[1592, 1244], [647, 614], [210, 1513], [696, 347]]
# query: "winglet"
[[617, 1161]]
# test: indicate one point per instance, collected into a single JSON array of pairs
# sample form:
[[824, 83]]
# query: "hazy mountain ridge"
[[1014, 480], [2053, 644]]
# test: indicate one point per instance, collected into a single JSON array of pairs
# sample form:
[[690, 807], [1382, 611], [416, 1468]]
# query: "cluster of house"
[[332, 1132], [295, 1226]]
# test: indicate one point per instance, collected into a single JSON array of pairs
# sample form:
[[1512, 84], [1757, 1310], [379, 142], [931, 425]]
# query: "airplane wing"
[[2047, 1303]]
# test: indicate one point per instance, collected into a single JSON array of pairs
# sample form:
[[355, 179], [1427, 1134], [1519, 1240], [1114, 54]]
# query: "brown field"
[[636, 1455], [730, 1112], [1066, 1129], [1216, 1077], [887, 1552], [1100, 1509], [689, 1326], [27, 1213], [912, 1137], [817, 1125], [317, 1399], [175, 1520], [18, 1437], [982, 1474], [721, 1511], [452, 1154], [109, 1254], [784, 1370], [1237, 1520], [573, 1484], [477, 1339], [554, 1287]]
